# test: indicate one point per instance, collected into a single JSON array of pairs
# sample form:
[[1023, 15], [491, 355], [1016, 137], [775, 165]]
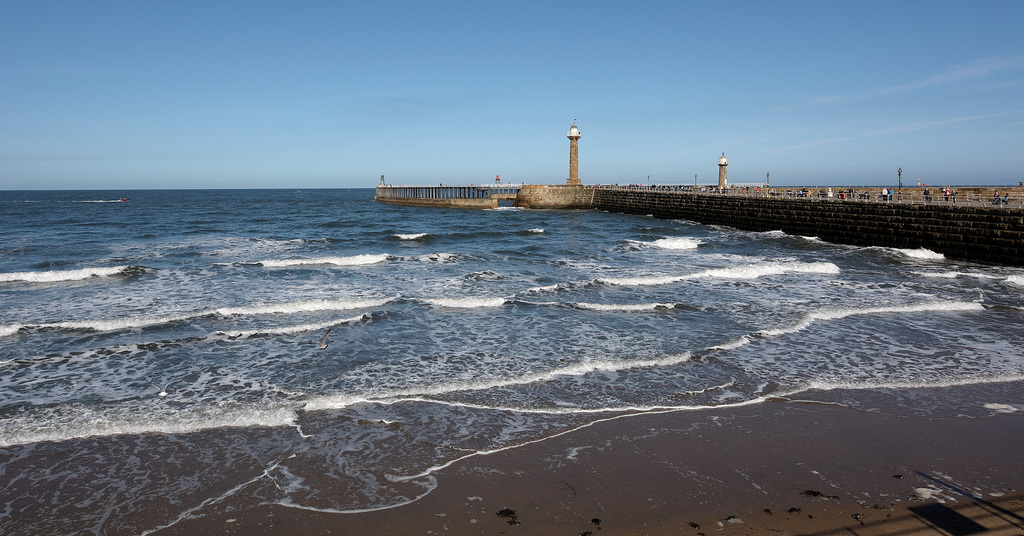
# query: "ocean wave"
[[299, 328], [625, 306], [642, 280], [443, 258], [413, 236], [754, 271], [354, 260], [546, 288], [116, 324], [1016, 280], [51, 276], [466, 303], [304, 306], [921, 253], [952, 274], [534, 231], [678, 243], [837, 314], [10, 329], [749, 271], [68, 422]]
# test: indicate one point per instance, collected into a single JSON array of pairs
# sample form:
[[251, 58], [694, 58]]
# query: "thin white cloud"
[[973, 70], [899, 129]]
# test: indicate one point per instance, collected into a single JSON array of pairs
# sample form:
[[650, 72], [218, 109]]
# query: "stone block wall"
[[982, 234]]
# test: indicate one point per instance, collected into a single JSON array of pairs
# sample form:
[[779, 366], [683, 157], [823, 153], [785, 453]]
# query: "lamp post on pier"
[[768, 183], [899, 173]]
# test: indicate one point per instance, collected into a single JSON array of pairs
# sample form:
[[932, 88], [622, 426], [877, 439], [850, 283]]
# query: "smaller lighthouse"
[[574, 155], [722, 164]]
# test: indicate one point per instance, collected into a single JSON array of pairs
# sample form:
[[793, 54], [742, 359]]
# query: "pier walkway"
[[964, 196]]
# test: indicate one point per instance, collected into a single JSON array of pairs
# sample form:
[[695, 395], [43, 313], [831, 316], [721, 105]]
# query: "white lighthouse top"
[[722, 161], [574, 132]]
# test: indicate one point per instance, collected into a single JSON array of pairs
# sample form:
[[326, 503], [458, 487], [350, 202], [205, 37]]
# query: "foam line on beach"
[[53, 276], [328, 402], [861, 385], [652, 411]]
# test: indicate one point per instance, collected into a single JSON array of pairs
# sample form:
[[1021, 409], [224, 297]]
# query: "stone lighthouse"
[[574, 155], [722, 164]]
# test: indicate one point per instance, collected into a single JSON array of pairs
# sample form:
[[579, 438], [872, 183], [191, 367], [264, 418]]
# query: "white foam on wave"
[[677, 243], [642, 280], [1016, 280], [953, 274], [941, 275], [535, 231], [304, 306], [754, 271], [328, 402], [51, 276], [10, 329], [625, 306], [748, 271], [443, 258], [246, 310], [413, 236], [1004, 408], [354, 260], [116, 324], [466, 303], [921, 253], [545, 289], [957, 381], [836, 314], [68, 422], [299, 328]]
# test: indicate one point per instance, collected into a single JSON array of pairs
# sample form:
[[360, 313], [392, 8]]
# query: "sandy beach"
[[780, 467]]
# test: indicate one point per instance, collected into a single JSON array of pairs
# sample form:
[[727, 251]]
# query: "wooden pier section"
[[454, 196]]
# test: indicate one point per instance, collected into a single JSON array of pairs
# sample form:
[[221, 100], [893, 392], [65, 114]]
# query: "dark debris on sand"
[[509, 515]]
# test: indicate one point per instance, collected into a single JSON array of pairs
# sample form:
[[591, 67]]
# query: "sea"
[[166, 354]]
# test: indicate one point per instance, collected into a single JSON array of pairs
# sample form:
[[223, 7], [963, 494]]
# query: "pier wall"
[[541, 196], [982, 234]]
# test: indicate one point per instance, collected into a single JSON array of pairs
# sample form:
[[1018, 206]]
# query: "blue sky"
[[249, 94]]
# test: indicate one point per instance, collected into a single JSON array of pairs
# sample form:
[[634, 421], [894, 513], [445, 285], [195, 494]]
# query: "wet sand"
[[773, 468]]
